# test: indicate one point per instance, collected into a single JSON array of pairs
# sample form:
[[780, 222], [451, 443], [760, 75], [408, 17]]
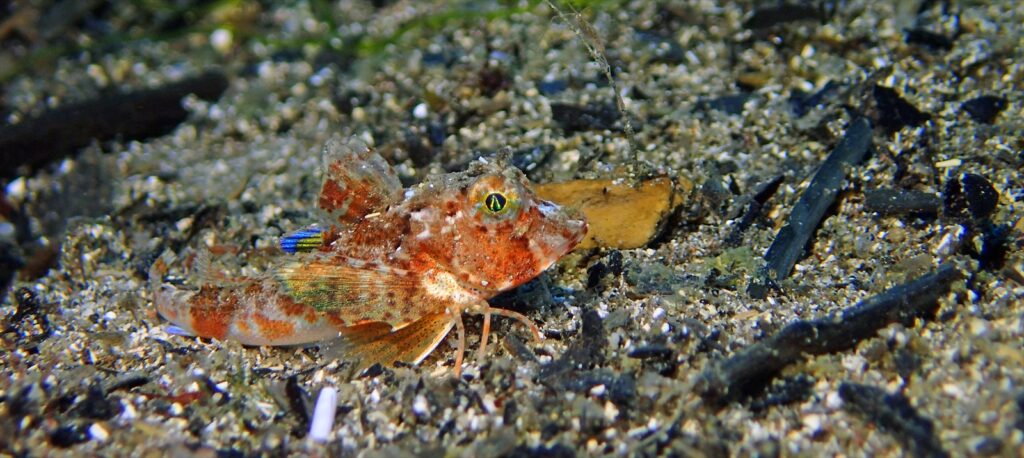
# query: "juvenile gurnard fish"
[[393, 270]]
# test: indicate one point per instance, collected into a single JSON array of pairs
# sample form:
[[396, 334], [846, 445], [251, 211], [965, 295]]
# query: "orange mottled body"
[[396, 269]]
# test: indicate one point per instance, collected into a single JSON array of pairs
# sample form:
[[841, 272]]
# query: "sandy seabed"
[[724, 95]]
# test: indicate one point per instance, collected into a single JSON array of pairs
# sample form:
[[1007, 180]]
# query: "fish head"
[[497, 233]]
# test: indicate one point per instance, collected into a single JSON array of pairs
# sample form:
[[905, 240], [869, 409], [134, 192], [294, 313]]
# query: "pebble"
[[970, 195], [984, 109], [98, 432], [420, 407], [420, 111], [221, 40]]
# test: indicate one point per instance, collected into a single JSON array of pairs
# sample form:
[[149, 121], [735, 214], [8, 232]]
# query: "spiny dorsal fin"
[[356, 182]]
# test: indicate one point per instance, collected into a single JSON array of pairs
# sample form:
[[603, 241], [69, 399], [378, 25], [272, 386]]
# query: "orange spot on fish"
[[273, 329], [212, 313]]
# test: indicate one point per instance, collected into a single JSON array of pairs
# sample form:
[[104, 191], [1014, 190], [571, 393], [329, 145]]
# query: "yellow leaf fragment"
[[620, 215]]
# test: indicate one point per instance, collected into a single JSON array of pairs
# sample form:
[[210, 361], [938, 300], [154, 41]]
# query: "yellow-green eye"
[[495, 202]]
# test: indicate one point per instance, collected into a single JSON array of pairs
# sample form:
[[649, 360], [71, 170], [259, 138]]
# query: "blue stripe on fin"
[[302, 241]]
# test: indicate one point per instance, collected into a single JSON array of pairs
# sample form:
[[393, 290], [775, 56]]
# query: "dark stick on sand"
[[817, 198], [134, 115], [894, 414], [901, 201], [755, 366]]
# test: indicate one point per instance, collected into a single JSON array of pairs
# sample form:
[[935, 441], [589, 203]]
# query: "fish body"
[[394, 269]]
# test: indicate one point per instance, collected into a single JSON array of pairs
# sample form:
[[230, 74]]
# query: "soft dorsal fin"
[[354, 290], [356, 181]]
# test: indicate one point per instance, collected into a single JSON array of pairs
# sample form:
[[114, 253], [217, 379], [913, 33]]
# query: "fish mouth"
[[579, 228]]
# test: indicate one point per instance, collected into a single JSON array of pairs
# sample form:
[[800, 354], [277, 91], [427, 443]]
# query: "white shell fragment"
[[323, 414]]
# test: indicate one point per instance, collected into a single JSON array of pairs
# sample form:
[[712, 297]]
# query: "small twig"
[[595, 46], [757, 364], [809, 210], [894, 414], [136, 115]]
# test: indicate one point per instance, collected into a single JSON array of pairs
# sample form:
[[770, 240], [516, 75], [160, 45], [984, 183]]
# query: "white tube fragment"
[[323, 414]]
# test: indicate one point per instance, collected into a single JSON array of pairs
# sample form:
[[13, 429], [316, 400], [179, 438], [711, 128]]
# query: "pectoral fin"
[[375, 342]]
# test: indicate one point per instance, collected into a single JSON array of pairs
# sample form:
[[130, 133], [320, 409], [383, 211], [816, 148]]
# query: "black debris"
[[893, 112], [610, 266], [657, 358], [203, 216], [68, 435], [1020, 411], [894, 414], [802, 103], [299, 401], [585, 352], [515, 346], [789, 243], [651, 351], [749, 209], [536, 293], [615, 262], [970, 196], [784, 392], [905, 362], [373, 371], [445, 59], [619, 388], [212, 388], [436, 133], [128, 382], [229, 453], [96, 405], [510, 411], [595, 273], [446, 428], [576, 369], [558, 334], [135, 115], [347, 101], [341, 60], [771, 16], [12, 256], [61, 403], [928, 39], [492, 79], [531, 158], [554, 451], [25, 400], [729, 104], [552, 87], [663, 49], [419, 149], [749, 370], [655, 278], [984, 109], [28, 326], [988, 446], [994, 246], [886, 201], [575, 118], [714, 192]]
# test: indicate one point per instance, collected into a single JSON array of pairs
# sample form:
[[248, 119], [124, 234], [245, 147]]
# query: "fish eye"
[[495, 202]]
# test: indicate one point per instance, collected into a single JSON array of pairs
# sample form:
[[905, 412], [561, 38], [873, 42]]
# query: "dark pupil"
[[495, 202]]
